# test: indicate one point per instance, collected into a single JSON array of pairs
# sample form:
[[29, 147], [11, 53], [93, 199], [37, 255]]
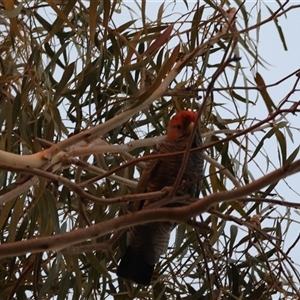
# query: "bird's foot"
[[167, 190]]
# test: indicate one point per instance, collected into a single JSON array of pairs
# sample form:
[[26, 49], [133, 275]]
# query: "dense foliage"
[[89, 86]]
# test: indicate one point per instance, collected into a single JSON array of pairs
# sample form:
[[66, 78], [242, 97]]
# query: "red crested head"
[[180, 124]]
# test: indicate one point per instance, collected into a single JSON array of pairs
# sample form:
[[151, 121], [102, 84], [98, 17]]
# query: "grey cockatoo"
[[146, 243]]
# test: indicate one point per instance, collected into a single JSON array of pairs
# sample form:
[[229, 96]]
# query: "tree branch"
[[179, 215]]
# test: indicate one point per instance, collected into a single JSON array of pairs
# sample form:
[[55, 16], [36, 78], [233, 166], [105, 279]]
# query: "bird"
[[147, 242]]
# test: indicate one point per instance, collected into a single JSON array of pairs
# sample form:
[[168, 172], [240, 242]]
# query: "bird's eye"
[[178, 126]]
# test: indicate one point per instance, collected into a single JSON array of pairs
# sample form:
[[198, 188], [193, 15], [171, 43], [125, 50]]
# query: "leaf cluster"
[[70, 67]]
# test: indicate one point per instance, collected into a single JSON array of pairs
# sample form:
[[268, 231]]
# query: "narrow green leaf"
[[160, 13], [267, 136], [278, 234], [65, 285], [292, 157], [263, 91], [233, 235], [180, 236], [97, 265], [282, 143], [5, 212], [64, 79], [50, 279], [240, 98], [62, 18], [279, 29], [194, 34], [55, 57]]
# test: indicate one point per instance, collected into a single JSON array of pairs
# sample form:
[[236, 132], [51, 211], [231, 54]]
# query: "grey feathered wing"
[[146, 243], [135, 264]]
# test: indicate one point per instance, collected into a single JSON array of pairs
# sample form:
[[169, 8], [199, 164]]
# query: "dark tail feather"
[[134, 267]]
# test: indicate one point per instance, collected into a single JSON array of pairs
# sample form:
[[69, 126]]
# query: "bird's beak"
[[191, 126]]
